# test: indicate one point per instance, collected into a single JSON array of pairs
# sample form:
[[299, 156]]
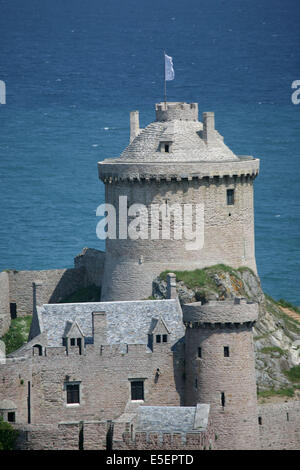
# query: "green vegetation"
[[85, 294], [273, 349], [293, 374], [284, 392], [17, 334], [8, 436]]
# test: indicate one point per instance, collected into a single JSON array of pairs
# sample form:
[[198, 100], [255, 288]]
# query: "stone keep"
[[178, 160]]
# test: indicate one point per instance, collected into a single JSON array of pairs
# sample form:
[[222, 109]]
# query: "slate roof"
[[128, 322], [172, 419]]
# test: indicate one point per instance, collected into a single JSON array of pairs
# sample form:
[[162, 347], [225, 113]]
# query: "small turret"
[[220, 368]]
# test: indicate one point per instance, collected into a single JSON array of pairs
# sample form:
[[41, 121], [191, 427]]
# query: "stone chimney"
[[134, 125], [99, 328], [208, 126], [36, 295], [171, 286]]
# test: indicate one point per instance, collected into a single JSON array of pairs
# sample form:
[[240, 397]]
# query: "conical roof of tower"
[[177, 126]]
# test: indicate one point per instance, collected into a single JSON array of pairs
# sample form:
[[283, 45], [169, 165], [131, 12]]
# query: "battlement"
[[176, 111], [219, 313]]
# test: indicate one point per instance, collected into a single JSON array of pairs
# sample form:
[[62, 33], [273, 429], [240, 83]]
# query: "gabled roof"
[[156, 324], [72, 329]]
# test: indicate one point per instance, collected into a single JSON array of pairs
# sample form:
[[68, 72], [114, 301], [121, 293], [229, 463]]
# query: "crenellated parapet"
[[220, 314]]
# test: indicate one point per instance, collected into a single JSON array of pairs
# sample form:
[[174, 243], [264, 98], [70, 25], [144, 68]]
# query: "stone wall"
[[4, 303], [177, 441], [93, 262], [280, 426], [131, 265], [104, 375], [56, 284]]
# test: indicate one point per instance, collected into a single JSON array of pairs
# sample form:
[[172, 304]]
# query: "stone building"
[[130, 372]]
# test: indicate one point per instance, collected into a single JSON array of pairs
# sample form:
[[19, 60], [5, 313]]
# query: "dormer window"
[[166, 147]]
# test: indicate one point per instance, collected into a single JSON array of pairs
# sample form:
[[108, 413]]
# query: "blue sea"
[[74, 69]]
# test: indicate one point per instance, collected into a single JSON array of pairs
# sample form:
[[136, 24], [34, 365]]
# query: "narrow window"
[[196, 383], [165, 338], [72, 342], [158, 338], [79, 344], [167, 148], [259, 420], [137, 390], [11, 417], [13, 310], [226, 351], [199, 352], [73, 393], [230, 197], [287, 417], [64, 341], [223, 399]]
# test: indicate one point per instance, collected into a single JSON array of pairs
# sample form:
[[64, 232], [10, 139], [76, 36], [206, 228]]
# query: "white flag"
[[169, 70]]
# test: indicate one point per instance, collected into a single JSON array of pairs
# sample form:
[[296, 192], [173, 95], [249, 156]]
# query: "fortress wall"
[[105, 384], [14, 378], [65, 436], [131, 265], [167, 441], [4, 303], [56, 285], [93, 262], [280, 428]]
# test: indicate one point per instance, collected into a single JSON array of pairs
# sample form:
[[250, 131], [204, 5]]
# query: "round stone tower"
[[180, 171], [220, 369]]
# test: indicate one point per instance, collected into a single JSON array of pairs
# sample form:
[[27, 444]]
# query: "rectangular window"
[[72, 342], [137, 390], [73, 393], [158, 338], [259, 420], [13, 310], [223, 399], [11, 417], [167, 147], [199, 352], [230, 197], [226, 351], [165, 338]]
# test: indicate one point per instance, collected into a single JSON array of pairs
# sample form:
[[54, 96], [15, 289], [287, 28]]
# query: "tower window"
[[158, 338], [13, 310], [199, 352], [230, 197], [73, 393], [223, 399], [196, 383], [137, 390], [259, 420], [226, 351]]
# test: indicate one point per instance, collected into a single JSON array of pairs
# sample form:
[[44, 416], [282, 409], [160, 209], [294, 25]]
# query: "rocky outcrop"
[[276, 334]]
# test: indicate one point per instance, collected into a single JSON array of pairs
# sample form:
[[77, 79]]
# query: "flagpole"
[[165, 85]]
